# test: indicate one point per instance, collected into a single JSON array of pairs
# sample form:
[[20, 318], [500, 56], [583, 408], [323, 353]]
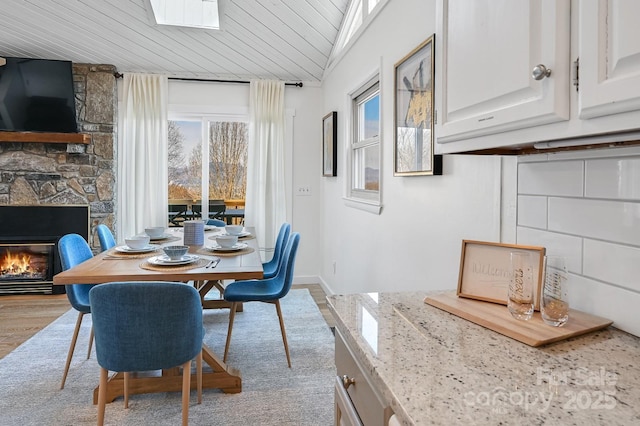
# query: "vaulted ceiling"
[[288, 40]]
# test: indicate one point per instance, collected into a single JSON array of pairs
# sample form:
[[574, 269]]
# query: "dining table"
[[207, 272]]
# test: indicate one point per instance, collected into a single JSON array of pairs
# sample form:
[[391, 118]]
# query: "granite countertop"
[[433, 367]]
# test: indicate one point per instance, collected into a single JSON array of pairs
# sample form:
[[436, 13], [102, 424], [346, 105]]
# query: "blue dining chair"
[[216, 222], [105, 236], [269, 290], [145, 326], [270, 268], [73, 250]]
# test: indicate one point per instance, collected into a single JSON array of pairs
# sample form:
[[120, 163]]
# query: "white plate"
[[240, 235], [161, 237], [235, 247], [127, 249], [165, 260]]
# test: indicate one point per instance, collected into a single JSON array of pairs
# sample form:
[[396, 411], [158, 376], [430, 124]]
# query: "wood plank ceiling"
[[288, 40]]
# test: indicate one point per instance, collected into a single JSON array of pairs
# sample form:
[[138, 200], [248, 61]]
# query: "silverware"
[[213, 263]]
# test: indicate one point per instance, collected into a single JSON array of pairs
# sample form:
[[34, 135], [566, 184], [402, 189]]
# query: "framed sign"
[[413, 113], [330, 144], [485, 268]]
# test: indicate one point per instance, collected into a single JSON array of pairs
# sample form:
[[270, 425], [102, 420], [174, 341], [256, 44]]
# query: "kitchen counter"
[[432, 367]]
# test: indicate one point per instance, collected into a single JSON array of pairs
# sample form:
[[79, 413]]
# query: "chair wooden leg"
[[186, 387], [102, 395], [284, 333], [72, 347], [127, 377], [90, 343], [232, 316], [199, 376]]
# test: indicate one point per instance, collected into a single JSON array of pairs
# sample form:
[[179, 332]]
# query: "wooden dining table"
[[113, 265]]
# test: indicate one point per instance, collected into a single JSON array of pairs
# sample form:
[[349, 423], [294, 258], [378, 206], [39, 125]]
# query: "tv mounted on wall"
[[36, 95]]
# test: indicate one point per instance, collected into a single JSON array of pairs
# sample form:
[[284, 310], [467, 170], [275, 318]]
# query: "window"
[[357, 17], [365, 144], [215, 170]]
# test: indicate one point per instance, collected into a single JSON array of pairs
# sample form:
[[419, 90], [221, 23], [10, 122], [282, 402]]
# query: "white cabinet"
[[609, 52], [356, 400], [489, 50], [486, 96]]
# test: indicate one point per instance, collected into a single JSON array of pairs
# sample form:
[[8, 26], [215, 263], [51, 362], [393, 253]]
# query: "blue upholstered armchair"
[[269, 290], [73, 250], [144, 326]]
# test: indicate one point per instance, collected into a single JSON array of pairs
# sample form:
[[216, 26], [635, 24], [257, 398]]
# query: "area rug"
[[272, 393]]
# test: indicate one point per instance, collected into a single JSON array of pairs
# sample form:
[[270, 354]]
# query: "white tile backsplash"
[[613, 263], [613, 178], [555, 244], [606, 220], [598, 298], [586, 205], [551, 178], [532, 211]]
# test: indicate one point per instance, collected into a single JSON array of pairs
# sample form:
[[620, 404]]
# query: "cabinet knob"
[[348, 381], [540, 71]]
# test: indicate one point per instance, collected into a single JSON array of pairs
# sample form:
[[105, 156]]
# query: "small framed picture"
[[330, 144], [485, 268]]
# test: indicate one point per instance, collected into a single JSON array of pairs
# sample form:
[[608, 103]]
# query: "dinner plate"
[[240, 235], [127, 249], [164, 260], [161, 237], [235, 247]]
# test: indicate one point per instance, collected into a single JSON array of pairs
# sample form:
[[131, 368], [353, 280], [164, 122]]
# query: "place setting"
[[158, 234], [235, 230], [135, 247], [175, 257], [228, 245]]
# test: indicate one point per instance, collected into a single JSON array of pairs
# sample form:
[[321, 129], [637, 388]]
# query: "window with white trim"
[[365, 144]]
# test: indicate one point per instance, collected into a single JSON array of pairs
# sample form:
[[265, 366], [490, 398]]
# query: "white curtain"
[[265, 198], [142, 155]]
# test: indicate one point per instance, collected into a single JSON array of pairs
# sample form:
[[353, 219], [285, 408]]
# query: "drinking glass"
[[554, 305], [520, 294]]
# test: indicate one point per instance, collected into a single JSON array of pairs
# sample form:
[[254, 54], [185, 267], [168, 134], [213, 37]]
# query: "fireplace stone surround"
[[70, 174]]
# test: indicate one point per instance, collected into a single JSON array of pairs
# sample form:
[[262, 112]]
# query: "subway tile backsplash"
[[587, 207]]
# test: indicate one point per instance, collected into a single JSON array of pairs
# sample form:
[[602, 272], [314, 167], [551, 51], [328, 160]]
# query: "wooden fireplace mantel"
[[45, 137]]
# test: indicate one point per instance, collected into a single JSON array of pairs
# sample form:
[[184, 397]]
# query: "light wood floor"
[[22, 316]]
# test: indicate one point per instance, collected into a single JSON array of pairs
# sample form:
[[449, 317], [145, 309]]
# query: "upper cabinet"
[[609, 52], [512, 73]]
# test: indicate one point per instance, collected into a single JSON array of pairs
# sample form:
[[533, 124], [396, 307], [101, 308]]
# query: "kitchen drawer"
[[365, 400]]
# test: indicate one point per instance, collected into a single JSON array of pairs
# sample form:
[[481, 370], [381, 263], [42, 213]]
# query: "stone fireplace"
[[68, 174]]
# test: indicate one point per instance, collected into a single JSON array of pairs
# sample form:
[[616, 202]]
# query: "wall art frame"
[[330, 144], [484, 270], [413, 147]]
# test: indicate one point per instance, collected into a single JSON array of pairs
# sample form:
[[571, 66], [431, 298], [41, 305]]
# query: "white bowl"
[[234, 229], [155, 231], [227, 241], [137, 241], [175, 252]]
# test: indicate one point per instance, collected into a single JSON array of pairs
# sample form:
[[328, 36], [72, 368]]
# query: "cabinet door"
[[609, 52], [487, 50]]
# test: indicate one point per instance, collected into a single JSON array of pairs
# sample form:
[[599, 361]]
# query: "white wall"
[[586, 205], [303, 166], [414, 244]]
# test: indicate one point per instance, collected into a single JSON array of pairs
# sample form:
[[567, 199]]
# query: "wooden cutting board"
[[497, 318]]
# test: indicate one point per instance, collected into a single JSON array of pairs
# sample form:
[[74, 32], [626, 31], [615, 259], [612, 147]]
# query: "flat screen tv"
[[36, 95]]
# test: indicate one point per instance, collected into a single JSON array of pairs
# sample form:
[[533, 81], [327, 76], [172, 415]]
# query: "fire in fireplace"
[[25, 266]]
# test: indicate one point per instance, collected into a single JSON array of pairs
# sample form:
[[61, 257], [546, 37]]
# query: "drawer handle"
[[348, 381]]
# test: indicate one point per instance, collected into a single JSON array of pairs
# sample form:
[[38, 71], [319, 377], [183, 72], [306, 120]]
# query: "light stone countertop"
[[433, 367]]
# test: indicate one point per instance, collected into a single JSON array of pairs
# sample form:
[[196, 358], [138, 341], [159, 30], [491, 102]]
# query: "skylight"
[[185, 13]]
